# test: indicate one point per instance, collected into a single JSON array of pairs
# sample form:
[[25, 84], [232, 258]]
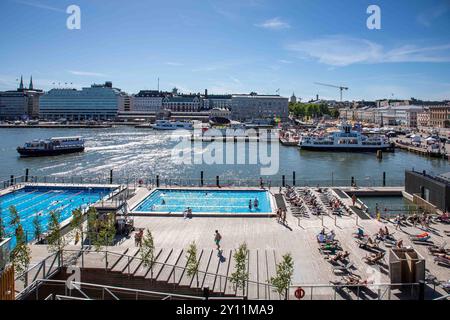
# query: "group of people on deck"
[[281, 216]]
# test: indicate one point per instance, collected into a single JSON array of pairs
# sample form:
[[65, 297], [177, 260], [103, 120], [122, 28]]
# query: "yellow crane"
[[341, 88]]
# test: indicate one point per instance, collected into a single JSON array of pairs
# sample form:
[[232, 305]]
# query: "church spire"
[[31, 83], [21, 83]]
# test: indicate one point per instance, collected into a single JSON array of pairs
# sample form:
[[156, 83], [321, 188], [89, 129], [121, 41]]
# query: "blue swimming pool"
[[201, 201], [40, 200]]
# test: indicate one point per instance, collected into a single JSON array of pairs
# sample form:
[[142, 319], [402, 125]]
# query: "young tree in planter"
[[37, 229], [2, 226], [106, 232], [21, 254], [15, 218], [55, 240], [240, 276], [283, 278], [77, 223], [92, 225], [192, 261], [148, 251]]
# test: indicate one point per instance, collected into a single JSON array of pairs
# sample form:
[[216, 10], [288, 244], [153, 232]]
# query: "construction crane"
[[333, 86]]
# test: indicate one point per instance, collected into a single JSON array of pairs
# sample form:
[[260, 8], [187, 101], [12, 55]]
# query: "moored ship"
[[51, 147], [345, 140], [172, 125]]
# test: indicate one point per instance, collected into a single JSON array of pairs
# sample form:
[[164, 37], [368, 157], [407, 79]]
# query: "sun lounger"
[[344, 268], [374, 258], [442, 260]]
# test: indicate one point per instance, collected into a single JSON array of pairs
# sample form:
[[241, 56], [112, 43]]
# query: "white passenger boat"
[[172, 125], [345, 140]]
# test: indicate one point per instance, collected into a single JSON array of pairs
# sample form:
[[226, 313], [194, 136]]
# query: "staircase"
[[169, 272]]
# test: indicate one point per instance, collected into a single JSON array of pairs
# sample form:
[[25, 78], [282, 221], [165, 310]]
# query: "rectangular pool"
[[32, 201], [205, 201]]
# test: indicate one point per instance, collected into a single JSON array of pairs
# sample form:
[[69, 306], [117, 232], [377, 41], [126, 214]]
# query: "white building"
[[253, 106], [405, 115], [148, 101]]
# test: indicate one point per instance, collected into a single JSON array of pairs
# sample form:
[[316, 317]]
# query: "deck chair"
[[375, 258], [344, 268]]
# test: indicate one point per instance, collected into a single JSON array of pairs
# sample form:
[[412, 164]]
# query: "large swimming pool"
[[206, 201], [32, 201]]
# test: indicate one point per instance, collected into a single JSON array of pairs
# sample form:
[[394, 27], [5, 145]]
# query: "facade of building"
[[20, 104], [405, 115], [182, 103], [148, 101], [253, 106], [440, 116], [98, 102], [423, 118], [433, 189], [125, 102], [221, 101]]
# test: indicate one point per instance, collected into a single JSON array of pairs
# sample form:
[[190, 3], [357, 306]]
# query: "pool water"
[[388, 205], [31, 201], [217, 201]]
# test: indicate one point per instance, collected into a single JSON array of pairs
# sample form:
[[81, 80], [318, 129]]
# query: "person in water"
[[256, 203], [163, 202], [250, 204]]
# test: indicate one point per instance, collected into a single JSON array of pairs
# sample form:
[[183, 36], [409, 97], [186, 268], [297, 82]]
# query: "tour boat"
[[172, 125], [345, 140], [51, 147]]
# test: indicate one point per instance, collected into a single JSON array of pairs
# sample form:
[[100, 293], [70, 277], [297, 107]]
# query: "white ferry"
[[345, 140], [172, 125], [51, 147]]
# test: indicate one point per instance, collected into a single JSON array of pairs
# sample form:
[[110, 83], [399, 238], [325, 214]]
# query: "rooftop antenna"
[[158, 84]]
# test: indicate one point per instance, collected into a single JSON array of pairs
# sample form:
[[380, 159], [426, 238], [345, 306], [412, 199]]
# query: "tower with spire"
[[293, 98], [21, 83], [30, 87]]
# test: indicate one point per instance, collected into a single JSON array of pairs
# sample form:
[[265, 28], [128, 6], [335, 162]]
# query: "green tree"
[[192, 261], [55, 240], [37, 229], [240, 276], [92, 224], [106, 232], [77, 223], [283, 278], [148, 251], [21, 254], [15, 218], [2, 226]]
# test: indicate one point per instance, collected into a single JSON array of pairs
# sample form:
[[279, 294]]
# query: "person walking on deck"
[[217, 238], [353, 199]]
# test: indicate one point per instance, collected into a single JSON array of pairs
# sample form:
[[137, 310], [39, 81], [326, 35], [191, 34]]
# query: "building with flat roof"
[[253, 106], [440, 116], [20, 104], [405, 115], [97, 102]]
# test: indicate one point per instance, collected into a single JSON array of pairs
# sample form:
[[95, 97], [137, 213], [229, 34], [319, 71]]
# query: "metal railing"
[[105, 291], [380, 291]]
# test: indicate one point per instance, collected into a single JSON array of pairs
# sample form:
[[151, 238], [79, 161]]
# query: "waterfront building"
[[182, 103], [440, 116], [148, 101], [98, 102], [405, 115], [221, 101], [20, 104], [125, 102], [423, 118], [432, 189], [253, 106]]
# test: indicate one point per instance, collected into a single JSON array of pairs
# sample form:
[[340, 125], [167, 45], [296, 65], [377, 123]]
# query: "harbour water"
[[144, 153]]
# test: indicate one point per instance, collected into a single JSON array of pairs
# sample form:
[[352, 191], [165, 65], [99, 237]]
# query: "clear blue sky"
[[232, 46]]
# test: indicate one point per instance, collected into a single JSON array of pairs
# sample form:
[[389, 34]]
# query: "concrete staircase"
[[169, 271]]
